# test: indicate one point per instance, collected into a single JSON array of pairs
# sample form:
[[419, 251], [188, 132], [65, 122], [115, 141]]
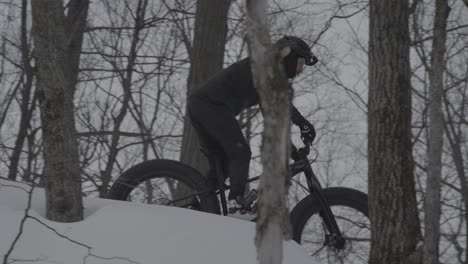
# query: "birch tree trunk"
[[436, 126], [272, 87], [206, 59], [61, 163], [395, 229]]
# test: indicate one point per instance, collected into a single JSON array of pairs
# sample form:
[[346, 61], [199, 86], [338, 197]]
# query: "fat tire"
[[310, 205], [152, 169]]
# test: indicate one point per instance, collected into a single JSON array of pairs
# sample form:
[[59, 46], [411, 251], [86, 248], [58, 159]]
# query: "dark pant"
[[220, 134]]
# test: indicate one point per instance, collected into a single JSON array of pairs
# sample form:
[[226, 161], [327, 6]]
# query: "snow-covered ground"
[[116, 232]]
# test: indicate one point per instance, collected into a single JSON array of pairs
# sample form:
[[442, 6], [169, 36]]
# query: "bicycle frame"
[[301, 164]]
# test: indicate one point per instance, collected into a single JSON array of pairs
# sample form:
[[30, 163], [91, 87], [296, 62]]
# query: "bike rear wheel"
[[350, 209], [165, 182]]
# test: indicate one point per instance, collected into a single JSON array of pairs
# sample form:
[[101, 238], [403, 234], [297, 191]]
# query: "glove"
[[307, 132]]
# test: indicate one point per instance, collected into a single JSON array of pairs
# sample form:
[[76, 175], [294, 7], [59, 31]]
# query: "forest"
[[388, 99]]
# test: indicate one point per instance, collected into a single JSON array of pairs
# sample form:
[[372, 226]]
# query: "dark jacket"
[[234, 88]]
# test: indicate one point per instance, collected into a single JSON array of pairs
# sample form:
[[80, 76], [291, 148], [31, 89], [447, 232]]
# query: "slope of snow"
[[116, 232]]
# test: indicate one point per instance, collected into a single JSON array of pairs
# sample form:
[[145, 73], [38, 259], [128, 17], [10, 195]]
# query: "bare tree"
[[55, 41], [272, 87], [126, 77], [453, 131], [206, 58], [130, 105], [453, 187], [26, 106], [395, 229], [436, 126]]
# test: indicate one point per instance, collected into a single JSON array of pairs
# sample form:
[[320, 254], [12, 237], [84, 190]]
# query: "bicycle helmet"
[[298, 49]]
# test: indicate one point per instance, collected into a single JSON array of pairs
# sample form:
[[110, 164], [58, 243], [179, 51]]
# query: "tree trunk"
[[272, 86], [26, 105], [206, 59], [395, 229], [75, 23], [61, 163], [436, 126]]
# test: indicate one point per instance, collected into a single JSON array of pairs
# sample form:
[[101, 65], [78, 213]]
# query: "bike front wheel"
[[350, 209], [165, 182]]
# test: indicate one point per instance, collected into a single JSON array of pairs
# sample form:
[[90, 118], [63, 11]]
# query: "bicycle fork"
[[334, 237]]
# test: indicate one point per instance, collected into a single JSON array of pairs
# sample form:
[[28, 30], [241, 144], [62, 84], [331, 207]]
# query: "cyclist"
[[212, 109]]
